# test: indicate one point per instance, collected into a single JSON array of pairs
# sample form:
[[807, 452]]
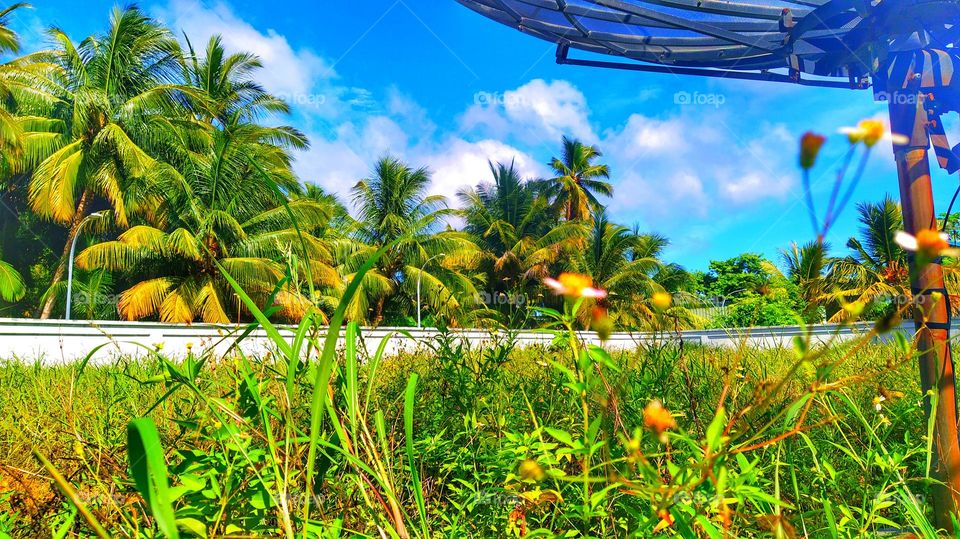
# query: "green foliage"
[[735, 277], [171, 159], [12, 287], [578, 182], [756, 310], [492, 454], [753, 292]]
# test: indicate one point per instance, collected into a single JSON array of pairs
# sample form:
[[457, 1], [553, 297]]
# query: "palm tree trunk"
[[378, 311], [78, 217]]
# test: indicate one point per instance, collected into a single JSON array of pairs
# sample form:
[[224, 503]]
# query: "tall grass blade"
[[351, 374], [326, 368], [150, 473], [72, 495], [411, 455]]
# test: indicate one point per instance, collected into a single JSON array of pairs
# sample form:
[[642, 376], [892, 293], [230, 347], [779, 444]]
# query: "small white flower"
[[878, 402]]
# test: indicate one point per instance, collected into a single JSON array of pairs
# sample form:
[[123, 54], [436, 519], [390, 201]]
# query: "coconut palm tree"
[[805, 266], [578, 182], [12, 287], [876, 267], [26, 104], [118, 98], [622, 263], [220, 216], [518, 236], [224, 207], [232, 96], [236, 149], [393, 208]]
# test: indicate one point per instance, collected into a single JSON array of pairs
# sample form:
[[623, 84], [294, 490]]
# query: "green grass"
[[492, 442]]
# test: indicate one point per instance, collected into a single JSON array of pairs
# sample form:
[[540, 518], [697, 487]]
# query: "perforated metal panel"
[[829, 39]]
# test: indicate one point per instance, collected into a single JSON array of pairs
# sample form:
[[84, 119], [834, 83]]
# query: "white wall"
[[57, 341]]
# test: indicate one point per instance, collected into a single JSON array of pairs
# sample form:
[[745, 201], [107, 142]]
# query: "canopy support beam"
[[931, 310], [564, 59]]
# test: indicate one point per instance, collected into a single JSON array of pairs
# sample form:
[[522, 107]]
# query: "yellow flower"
[[666, 520], [657, 418], [928, 244], [873, 131], [530, 469], [870, 132], [810, 144], [633, 445], [574, 285], [661, 301]]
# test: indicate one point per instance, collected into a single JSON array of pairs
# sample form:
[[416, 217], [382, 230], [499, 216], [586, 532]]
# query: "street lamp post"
[[73, 247], [419, 279]]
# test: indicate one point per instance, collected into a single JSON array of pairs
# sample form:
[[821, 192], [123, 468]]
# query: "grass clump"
[[491, 441]]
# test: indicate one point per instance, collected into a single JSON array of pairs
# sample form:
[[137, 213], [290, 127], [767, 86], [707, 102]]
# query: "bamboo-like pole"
[[908, 117]]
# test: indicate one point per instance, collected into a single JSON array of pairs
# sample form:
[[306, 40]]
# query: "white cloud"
[[665, 168], [642, 135], [537, 113], [758, 170], [460, 163], [298, 75], [286, 71], [684, 164], [332, 164]]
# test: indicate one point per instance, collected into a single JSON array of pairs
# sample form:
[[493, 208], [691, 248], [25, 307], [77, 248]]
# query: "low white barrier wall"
[[57, 341]]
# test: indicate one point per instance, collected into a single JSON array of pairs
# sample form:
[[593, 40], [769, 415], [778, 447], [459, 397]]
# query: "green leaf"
[[12, 287], [800, 346], [715, 430], [150, 473], [794, 409], [708, 527], [193, 526], [561, 435], [64, 530], [408, 401], [831, 519]]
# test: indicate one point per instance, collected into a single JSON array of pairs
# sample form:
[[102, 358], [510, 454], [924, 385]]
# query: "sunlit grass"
[[466, 432]]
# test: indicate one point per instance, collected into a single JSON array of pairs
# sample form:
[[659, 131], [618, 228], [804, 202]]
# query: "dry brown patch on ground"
[[24, 493]]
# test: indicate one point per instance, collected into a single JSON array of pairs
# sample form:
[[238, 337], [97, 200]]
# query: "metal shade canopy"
[[908, 50], [840, 42]]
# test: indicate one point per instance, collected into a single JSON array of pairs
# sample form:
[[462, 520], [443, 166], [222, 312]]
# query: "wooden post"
[[908, 117]]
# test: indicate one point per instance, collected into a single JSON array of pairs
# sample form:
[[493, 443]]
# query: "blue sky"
[[438, 85]]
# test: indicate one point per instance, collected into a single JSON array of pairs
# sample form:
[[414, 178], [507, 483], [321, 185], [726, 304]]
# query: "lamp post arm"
[[73, 248]]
